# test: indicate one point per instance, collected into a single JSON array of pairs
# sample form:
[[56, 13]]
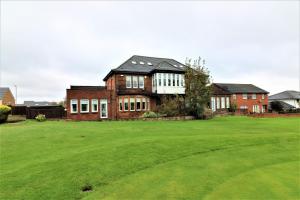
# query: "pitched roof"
[[3, 90], [39, 103], [288, 94], [144, 65], [234, 88], [284, 105]]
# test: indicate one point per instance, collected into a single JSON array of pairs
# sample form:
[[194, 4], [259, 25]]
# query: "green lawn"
[[223, 158]]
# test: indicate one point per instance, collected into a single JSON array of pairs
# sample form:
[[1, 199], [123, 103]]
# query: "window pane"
[[173, 79], [141, 81], [169, 79], [74, 105], [227, 102], [244, 96], [120, 104], [144, 104], [134, 81], [84, 105], [165, 79], [177, 79], [159, 79], [138, 104], [181, 80], [222, 102], [126, 104], [128, 81], [132, 104], [94, 105]]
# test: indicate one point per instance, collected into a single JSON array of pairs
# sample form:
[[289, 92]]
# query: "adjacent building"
[[245, 97], [6, 97], [131, 89], [289, 97]]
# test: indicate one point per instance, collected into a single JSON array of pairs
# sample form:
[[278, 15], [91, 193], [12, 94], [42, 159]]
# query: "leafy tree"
[[171, 106], [197, 88]]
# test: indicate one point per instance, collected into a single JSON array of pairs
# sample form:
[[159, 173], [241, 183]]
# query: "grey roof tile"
[[288, 94], [240, 88]]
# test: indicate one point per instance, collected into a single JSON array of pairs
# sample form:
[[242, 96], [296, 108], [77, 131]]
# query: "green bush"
[[40, 118], [150, 114], [4, 111], [207, 114]]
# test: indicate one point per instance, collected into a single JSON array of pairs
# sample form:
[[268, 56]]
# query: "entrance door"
[[103, 108]]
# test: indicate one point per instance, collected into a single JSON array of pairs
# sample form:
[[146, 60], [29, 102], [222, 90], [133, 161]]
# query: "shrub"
[[150, 114], [207, 114], [40, 118], [171, 106], [4, 111]]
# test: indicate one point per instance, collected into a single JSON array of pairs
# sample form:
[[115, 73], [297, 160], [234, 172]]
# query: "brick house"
[[131, 89], [6, 97], [247, 97]]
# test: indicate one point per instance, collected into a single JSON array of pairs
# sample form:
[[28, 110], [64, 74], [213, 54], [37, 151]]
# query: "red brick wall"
[[90, 94], [121, 84], [249, 102], [8, 99]]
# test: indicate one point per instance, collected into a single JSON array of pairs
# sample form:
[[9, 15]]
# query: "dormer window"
[[149, 63], [142, 63], [133, 62]]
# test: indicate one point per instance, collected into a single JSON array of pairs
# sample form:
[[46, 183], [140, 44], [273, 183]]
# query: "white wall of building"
[[159, 86], [292, 102]]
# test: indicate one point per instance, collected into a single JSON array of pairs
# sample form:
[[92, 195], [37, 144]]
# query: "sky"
[[47, 46]]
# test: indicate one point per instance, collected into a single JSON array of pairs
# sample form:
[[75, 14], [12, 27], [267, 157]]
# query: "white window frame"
[[177, 80], [169, 80], [159, 79], [82, 103], [173, 80], [222, 102], [135, 78], [128, 81], [218, 102], [138, 100], [234, 96], [144, 101], [132, 100], [165, 79], [253, 96], [227, 102], [213, 104], [141, 82], [263, 96], [72, 102], [94, 102], [121, 104], [126, 101], [244, 96], [182, 80], [104, 101]]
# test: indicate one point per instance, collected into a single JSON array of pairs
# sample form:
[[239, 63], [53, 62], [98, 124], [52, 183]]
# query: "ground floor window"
[[94, 105], [255, 109], [84, 105], [218, 103], [213, 104], [138, 104], [144, 104], [125, 104], [132, 102], [222, 102], [74, 105], [103, 106], [227, 102], [120, 104]]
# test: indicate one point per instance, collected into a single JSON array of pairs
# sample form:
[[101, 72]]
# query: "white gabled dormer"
[[168, 83]]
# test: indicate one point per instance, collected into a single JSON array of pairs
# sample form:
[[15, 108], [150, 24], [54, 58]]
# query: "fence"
[[33, 111]]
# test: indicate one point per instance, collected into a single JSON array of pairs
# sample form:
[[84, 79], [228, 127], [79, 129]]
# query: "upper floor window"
[[84, 105], [244, 96], [141, 82], [128, 81], [134, 81], [227, 102], [74, 105], [253, 96], [169, 79], [159, 79], [94, 105], [165, 79], [263, 96], [234, 96], [177, 79]]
